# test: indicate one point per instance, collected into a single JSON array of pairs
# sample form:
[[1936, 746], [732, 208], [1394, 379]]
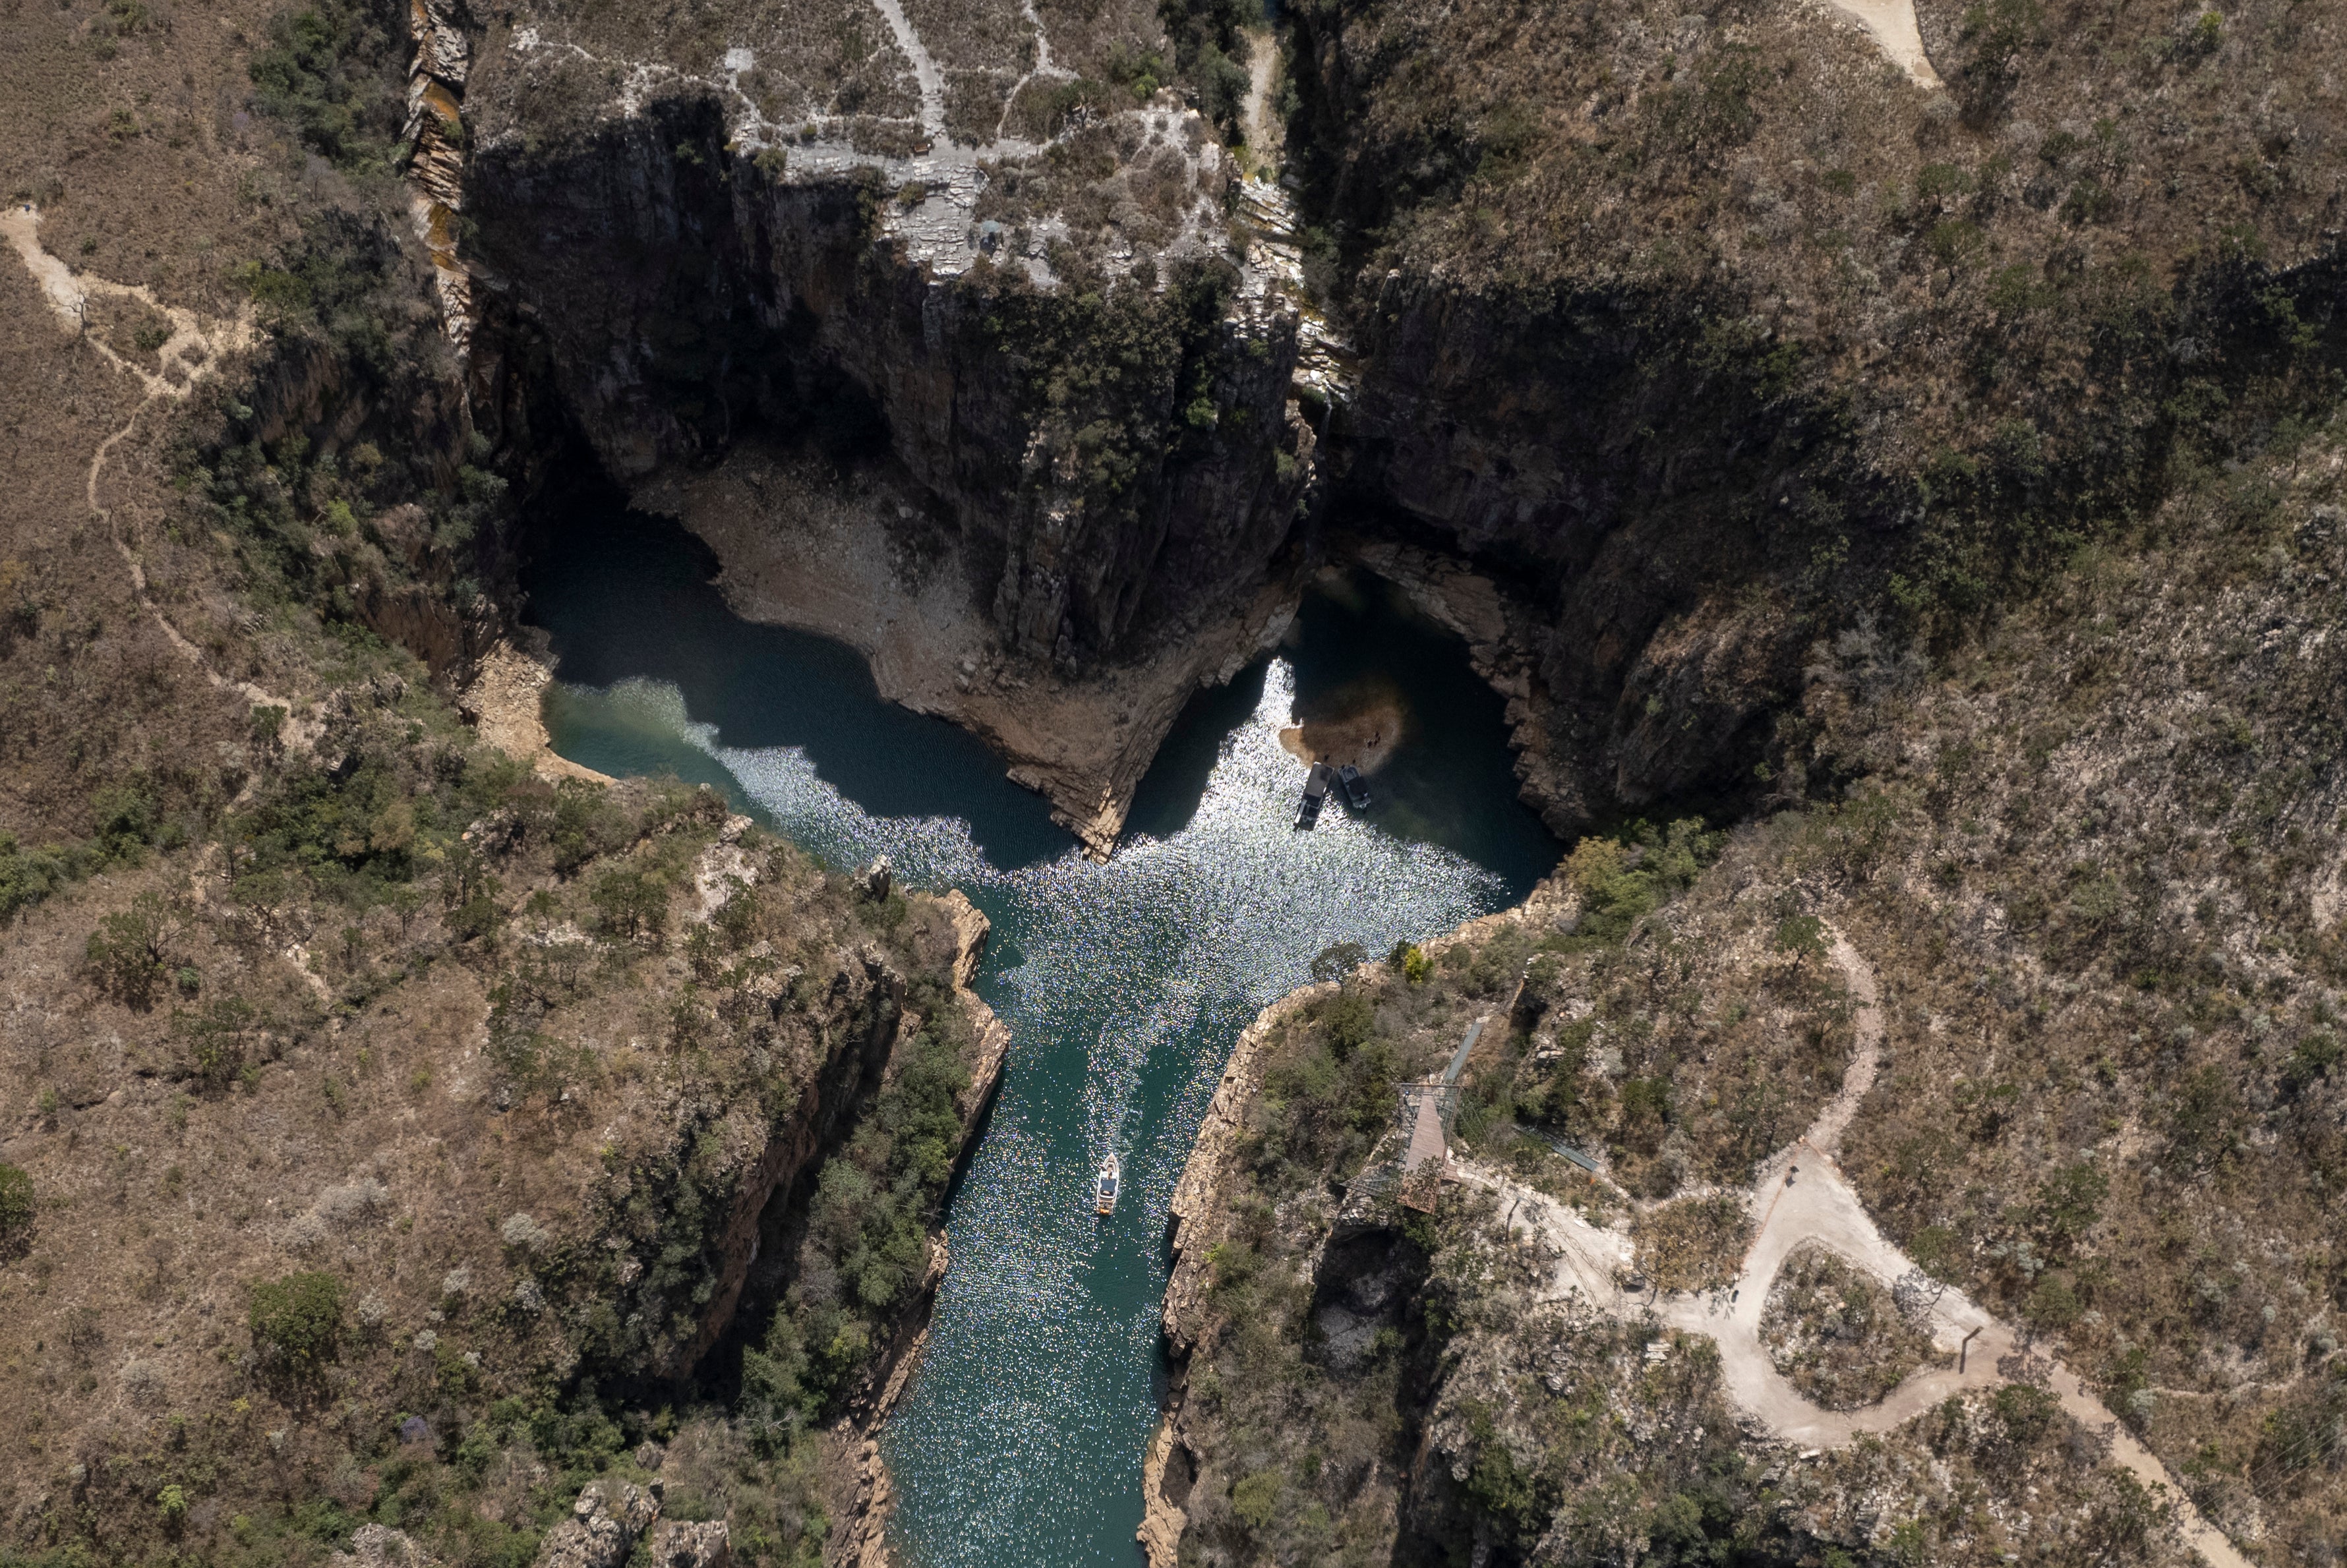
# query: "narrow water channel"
[[1019, 1444]]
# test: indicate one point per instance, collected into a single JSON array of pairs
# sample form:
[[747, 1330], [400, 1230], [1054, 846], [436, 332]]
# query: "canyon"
[[1888, 478]]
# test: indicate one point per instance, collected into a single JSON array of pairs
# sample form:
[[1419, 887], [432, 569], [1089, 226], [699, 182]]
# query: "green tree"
[[1801, 937], [1335, 963], [630, 903], [129, 953], [326, 71], [297, 1323], [1255, 1499]]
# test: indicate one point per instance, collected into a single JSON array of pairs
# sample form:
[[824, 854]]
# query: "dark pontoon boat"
[[1316, 795]]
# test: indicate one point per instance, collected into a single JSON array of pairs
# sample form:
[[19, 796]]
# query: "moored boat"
[[1316, 795]]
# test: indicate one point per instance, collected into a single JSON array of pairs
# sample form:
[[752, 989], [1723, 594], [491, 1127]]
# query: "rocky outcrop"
[[688, 297], [1198, 1218], [1190, 1227], [862, 1532], [602, 1528], [863, 1013], [1103, 470], [617, 1524], [676, 1545], [435, 167], [381, 1546], [1191, 1216]]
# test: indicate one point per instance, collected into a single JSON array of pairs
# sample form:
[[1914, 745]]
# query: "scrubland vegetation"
[[436, 1283]]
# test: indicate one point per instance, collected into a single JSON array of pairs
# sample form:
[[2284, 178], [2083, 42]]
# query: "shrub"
[[476, 919], [629, 903], [2203, 1117], [129, 954], [2027, 1411], [217, 1036], [297, 1322], [27, 876], [2069, 1202], [1350, 1021], [126, 816], [1410, 961], [524, 1234], [16, 1205], [2052, 1305]]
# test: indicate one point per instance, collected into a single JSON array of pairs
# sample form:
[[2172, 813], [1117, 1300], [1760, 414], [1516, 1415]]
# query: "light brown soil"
[[1365, 725]]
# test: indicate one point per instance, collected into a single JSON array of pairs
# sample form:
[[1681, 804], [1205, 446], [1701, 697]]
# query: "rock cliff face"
[[1704, 334], [1112, 457], [687, 298]]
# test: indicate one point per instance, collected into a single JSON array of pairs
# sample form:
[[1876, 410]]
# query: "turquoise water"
[[1125, 984]]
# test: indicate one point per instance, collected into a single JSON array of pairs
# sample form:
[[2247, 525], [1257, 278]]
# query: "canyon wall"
[[686, 298]]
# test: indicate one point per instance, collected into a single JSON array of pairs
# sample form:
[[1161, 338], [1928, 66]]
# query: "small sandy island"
[[1359, 726]]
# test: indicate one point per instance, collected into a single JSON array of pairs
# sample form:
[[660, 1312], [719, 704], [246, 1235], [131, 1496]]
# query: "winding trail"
[[1800, 1196], [1042, 67], [195, 349]]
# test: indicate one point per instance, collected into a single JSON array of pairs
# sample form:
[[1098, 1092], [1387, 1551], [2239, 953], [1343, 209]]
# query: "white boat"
[[1104, 1187]]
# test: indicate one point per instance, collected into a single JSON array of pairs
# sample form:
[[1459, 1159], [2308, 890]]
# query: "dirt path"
[[196, 349], [1044, 67], [1800, 1196], [932, 81], [1892, 23], [1263, 134]]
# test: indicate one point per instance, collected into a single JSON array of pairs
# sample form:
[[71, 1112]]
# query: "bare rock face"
[[633, 265], [675, 1544], [602, 1528], [380, 1546]]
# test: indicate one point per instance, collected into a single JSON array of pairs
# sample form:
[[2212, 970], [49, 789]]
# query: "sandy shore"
[[504, 701]]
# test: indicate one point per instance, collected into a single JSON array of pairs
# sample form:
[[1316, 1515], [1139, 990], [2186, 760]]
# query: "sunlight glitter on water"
[[1125, 984]]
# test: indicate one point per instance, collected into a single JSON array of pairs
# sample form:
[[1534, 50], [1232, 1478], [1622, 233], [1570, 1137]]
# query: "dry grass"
[[1833, 1330], [1691, 1244], [2092, 860], [398, 1093]]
